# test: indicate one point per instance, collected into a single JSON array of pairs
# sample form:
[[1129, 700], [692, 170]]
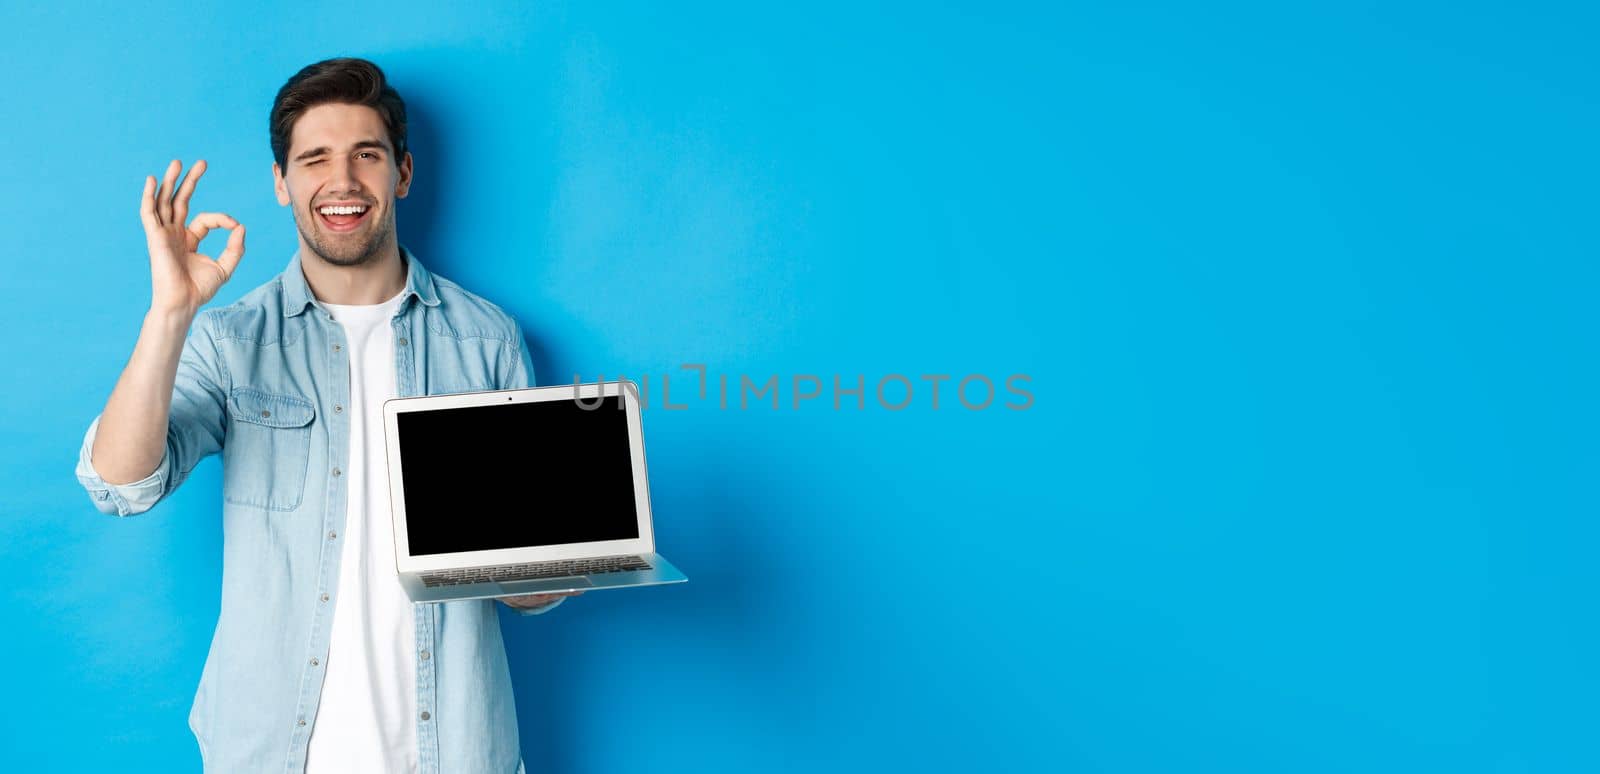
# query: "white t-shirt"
[[367, 718]]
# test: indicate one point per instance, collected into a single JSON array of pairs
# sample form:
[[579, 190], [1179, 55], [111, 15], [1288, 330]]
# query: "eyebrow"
[[383, 146]]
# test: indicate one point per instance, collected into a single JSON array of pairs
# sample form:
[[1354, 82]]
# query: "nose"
[[341, 180]]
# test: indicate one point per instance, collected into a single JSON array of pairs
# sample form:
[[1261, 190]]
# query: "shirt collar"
[[297, 294]]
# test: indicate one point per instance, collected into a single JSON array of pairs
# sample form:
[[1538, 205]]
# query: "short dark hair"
[[345, 80]]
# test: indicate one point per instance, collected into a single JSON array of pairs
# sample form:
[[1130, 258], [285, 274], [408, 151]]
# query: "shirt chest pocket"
[[267, 449]]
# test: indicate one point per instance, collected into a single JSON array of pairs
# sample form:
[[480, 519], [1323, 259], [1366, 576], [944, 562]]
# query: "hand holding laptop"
[[531, 601]]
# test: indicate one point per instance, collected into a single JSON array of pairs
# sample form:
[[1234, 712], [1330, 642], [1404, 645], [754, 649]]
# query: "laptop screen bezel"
[[405, 562]]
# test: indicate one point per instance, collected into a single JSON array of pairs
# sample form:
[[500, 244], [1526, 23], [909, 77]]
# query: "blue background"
[[1307, 297]]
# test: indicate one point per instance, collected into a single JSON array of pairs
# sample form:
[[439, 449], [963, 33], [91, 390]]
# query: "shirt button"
[[266, 414], [332, 534], [425, 715], [336, 471], [336, 348], [337, 409], [402, 341], [424, 655], [314, 662], [324, 597], [300, 722]]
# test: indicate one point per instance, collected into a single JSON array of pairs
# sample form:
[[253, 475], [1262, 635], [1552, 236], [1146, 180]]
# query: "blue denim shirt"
[[263, 381]]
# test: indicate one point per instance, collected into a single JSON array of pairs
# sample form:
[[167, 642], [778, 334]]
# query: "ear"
[[280, 186], [404, 185]]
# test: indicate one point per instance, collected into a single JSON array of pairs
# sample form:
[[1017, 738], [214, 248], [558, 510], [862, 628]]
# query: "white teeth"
[[352, 210]]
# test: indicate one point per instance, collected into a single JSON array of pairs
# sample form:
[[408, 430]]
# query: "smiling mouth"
[[343, 221]]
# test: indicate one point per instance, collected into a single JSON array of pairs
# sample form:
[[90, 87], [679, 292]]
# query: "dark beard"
[[364, 253]]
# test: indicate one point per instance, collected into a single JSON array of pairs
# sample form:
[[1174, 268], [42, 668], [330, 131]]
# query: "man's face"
[[340, 155]]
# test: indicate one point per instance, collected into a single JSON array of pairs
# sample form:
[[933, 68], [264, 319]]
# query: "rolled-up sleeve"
[[196, 423], [120, 499]]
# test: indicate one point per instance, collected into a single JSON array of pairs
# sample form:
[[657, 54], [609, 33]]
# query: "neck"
[[373, 282]]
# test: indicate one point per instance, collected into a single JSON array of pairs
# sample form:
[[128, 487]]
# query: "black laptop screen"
[[517, 475]]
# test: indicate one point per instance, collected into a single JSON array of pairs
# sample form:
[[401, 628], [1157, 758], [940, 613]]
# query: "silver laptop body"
[[526, 491]]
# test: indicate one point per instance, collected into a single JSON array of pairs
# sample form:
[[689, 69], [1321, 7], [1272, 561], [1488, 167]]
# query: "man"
[[319, 662]]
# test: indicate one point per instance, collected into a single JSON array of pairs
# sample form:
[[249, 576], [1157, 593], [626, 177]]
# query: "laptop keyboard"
[[534, 571]]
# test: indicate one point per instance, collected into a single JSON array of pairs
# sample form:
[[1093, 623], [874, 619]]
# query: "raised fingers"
[[164, 195], [147, 205], [180, 204]]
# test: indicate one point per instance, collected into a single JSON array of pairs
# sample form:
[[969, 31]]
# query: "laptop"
[[524, 491]]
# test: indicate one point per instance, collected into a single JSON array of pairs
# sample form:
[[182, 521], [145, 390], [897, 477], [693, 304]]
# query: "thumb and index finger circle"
[[205, 221], [229, 259]]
